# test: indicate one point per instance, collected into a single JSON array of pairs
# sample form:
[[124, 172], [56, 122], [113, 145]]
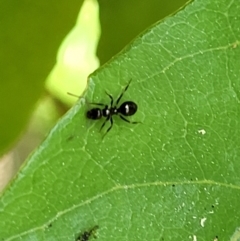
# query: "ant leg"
[[119, 98], [105, 122], [131, 122], [111, 120], [73, 95], [110, 98]]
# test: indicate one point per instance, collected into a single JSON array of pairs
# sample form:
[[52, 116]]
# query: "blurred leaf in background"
[[30, 34], [121, 21]]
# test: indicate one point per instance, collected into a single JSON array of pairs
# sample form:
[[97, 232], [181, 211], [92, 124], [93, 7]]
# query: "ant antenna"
[[73, 95]]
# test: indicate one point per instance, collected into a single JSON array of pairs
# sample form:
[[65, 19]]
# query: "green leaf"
[[173, 177], [129, 17], [30, 34]]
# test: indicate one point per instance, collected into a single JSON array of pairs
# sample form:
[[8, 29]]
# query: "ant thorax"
[[109, 111], [106, 112]]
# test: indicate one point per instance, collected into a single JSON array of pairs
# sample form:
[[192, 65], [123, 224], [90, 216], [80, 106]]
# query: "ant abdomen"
[[127, 108]]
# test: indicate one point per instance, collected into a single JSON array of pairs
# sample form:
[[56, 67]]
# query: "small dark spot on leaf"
[[216, 238], [49, 225], [212, 206], [87, 235], [70, 138], [173, 185]]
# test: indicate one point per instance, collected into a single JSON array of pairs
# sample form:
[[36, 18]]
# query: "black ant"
[[127, 108]]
